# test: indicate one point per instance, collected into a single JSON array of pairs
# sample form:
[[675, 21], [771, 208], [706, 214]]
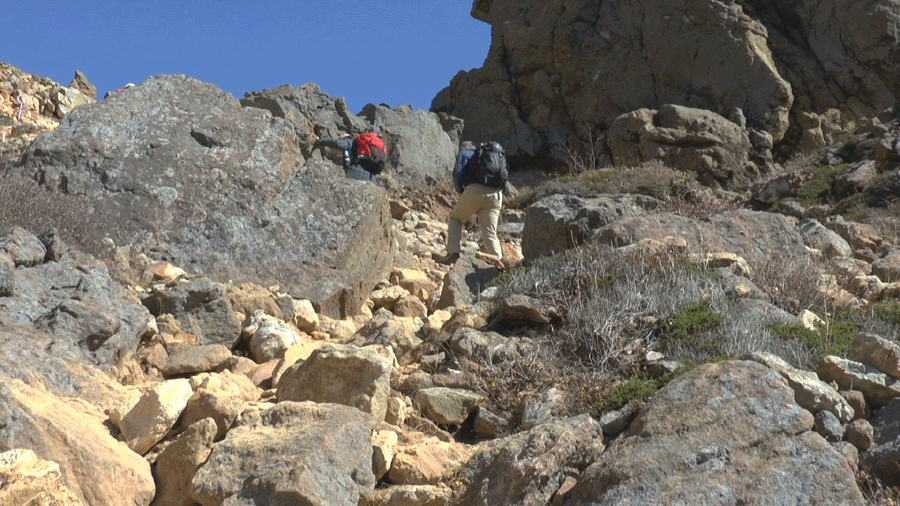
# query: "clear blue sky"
[[380, 51]]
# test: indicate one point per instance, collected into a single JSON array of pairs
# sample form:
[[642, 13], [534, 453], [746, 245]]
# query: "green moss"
[[636, 388], [819, 188], [888, 312], [831, 339], [690, 319]]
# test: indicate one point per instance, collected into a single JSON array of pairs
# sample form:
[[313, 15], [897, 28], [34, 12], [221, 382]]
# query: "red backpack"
[[368, 149]]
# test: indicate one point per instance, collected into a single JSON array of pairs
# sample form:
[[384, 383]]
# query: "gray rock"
[[497, 473], [196, 359], [878, 388], [23, 247], [616, 422], [201, 307], [447, 406], [177, 169], [816, 236], [734, 433], [810, 392], [559, 222], [489, 424], [91, 317], [728, 231], [291, 453], [828, 426]]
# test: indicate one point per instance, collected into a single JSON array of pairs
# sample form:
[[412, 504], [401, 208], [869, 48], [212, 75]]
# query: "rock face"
[[179, 170], [555, 68], [735, 437], [421, 147]]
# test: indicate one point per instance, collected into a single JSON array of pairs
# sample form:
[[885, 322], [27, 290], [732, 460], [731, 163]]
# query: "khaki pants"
[[486, 202]]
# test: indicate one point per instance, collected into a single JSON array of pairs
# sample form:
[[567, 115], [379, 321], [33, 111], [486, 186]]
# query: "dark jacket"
[[352, 167]]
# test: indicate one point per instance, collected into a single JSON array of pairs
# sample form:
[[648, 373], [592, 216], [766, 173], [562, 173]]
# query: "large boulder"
[[725, 433], [91, 317], [769, 234], [291, 453], [422, 152], [95, 467], [421, 145], [180, 171], [555, 67], [497, 473], [712, 148], [559, 222]]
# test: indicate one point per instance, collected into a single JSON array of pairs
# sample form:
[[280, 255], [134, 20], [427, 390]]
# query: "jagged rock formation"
[[178, 170], [419, 143], [555, 72], [31, 104]]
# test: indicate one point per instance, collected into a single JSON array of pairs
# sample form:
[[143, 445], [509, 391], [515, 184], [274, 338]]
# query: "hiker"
[[363, 156], [480, 176]]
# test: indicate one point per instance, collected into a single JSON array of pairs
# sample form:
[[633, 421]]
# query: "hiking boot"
[[449, 259]]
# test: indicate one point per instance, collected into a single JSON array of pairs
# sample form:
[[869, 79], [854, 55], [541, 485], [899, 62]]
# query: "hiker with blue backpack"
[[363, 155], [480, 176]]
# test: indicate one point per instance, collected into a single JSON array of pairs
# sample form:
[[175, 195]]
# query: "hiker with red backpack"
[[480, 175], [364, 155]]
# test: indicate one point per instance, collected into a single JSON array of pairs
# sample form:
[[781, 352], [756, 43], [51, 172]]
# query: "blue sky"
[[380, 51]]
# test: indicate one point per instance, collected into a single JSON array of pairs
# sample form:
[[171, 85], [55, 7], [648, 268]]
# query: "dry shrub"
[[793, 283], [27, 204], [875, 492]]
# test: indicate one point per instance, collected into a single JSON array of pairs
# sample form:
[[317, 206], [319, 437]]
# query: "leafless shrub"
[[27, 204], [874, 491], [793, 283]]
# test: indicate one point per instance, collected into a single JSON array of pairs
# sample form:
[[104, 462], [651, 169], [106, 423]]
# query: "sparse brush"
[[27, 204]]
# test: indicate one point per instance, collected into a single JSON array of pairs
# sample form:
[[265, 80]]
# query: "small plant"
[[833, 339], [819, 188], [888, 312], [688, 323]]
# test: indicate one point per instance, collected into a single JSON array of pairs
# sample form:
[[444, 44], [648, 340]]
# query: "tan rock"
[[154, 414], [26, 480], [425, 460]]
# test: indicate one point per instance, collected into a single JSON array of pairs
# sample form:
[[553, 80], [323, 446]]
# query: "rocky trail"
[[697, 302]]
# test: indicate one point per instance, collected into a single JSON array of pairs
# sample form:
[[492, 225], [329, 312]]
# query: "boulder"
[[559, 222], [30, 481], [201, 307], [178, 463], [176, 168], [610, 59], [728, 231], [496, 473], [712, 148], [91, 317], [291, 453], [94, 466], [341, 374], [724, 433], [155, 413]]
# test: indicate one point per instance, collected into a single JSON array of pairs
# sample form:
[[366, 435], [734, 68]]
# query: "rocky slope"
[[260, 330]]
